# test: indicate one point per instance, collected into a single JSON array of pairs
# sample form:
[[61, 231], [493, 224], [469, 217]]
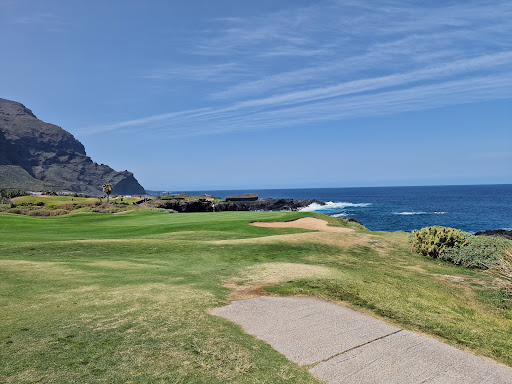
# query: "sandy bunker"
[[303, 223]]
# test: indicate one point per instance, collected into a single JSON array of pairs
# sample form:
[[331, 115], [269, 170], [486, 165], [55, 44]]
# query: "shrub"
[[503, 271], [84, 209], [4, 207], [58, 212], [22, 210], [108, 209], [479, 252], [433, 241], [52, 206], [39, 212], [12, 193]]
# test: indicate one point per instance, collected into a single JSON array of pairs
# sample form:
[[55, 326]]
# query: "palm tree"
[[107, 188]]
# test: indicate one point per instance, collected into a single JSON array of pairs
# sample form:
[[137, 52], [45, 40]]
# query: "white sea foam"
[[332, 206], [338, 215]]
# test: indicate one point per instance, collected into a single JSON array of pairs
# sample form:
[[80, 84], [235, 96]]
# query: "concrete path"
[[345, 346]]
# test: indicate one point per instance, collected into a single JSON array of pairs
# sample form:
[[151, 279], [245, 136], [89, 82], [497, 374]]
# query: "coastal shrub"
[[39, 212], [503, 271], [22, 210], [84, 209], [478, 252], [58, 212], [12, 193], [109, 209], [4, 207], [433, 241]]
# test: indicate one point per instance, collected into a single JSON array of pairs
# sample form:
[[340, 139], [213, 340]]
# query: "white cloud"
[[338, 59]]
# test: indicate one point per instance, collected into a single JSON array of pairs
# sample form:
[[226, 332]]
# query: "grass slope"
[[124, 298]]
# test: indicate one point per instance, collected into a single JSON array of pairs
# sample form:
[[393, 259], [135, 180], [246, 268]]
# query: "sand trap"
[[304, 223]]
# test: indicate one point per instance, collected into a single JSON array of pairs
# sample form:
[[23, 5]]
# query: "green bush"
[[479, 252], [12, 193], [39, 212], [108, 209], [21, 210], [58, 212], [83, 209], [5, 207], [433, 241]]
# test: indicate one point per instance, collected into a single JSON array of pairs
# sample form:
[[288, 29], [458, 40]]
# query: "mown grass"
[[124, 298]]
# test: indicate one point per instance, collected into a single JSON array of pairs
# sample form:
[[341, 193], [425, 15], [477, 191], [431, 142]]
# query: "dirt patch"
[[453, 278], [303, 223], [250, 282]]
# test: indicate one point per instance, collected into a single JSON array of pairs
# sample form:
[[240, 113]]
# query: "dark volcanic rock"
[[203, 205], [497, 232], [52, 157], [182, 205], [351, 220]]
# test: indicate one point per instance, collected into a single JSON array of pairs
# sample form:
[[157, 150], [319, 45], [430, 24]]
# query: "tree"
[[107, 188]]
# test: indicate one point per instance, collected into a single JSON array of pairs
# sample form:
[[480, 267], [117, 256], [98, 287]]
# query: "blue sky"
[[269, 94]]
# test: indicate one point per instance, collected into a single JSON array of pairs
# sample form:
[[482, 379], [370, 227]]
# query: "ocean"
[[471, 208]]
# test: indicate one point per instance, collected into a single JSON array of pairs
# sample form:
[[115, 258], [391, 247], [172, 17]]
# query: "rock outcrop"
[[203, 205], [35, 155], [496, 232]]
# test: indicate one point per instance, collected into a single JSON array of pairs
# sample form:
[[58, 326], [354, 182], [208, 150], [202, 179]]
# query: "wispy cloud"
[[335, 60], [209, 72], [48, 20]]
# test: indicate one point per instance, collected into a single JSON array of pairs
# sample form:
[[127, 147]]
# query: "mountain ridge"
[[39, 155]]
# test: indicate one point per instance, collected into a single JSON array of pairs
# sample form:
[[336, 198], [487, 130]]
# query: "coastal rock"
[[184, 205], [35, 155], [351, 220], [496, 232], [265, 205], [203, 205]]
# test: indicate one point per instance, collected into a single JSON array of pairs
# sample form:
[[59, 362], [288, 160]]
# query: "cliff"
[[35, 155]]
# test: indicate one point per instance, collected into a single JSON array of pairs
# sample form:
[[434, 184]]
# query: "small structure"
[[244, 197]]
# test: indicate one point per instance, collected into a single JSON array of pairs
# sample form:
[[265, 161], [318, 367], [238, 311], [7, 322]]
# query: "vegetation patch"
[[53, 205], [459, 247], [478, 252]]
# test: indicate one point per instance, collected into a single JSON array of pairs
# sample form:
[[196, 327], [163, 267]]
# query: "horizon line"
[[375, 186]]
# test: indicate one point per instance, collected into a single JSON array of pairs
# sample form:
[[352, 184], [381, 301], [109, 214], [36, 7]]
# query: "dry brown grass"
[[503, 271], [250, 282]]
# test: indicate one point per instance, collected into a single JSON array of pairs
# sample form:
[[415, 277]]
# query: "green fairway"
[[124, 298]]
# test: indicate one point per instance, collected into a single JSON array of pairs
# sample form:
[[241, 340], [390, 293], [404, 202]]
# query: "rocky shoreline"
[[206, 205], [496, 233], [182, 205]]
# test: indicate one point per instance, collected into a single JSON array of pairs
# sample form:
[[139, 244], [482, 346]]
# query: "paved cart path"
[[341, 345]]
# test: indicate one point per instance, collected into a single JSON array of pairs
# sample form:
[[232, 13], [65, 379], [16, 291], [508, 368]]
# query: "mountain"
[[35, 155]]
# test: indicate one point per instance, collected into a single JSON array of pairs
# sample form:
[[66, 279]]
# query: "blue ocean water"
[[471, 208]]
